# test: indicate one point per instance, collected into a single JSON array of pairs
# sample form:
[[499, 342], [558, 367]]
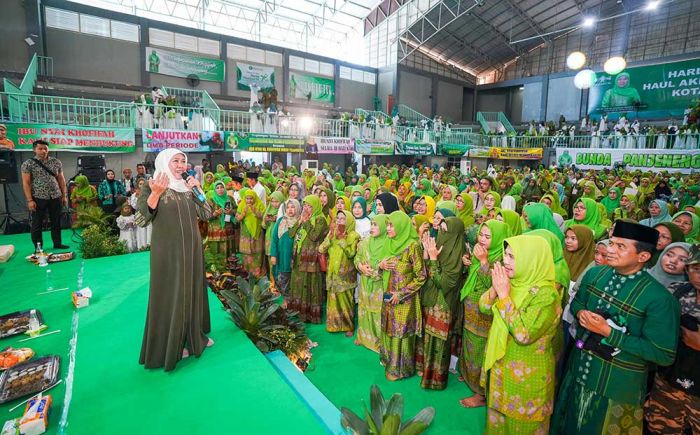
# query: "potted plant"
[[385, 418]]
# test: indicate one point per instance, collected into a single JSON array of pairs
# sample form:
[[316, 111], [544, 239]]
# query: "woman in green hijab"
[[425, 189], [220, 172], [689, 223], [465, 209], [306, 288], [251, 244], [440, 299], [83, 195], [539, 216], [371, 288], [487, 251], [513, 220], [338, 182], [628, 209], [220, 229], [270, 218], [341, 277], [520, 355], [551, 200], [622, 94], [208, 182], [403, 276], [586, 213], [612, 201]]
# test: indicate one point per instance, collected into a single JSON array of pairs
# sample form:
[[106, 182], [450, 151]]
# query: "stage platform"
[[232, 388]]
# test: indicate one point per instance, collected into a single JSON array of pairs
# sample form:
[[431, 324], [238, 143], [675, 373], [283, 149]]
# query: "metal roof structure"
[[324, 27], [483, 37]]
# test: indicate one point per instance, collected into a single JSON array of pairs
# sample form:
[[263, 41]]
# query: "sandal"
[[475, 401]]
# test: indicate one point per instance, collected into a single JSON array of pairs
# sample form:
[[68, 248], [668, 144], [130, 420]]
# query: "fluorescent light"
[[652, 5], [588, 22]]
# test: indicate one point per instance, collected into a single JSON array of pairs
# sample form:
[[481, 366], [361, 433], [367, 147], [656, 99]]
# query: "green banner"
[[172, 63], [264, 143], [261, 76], [654, 91], [448, 149], [685, 161], [75, 139], [415, 148], [311, 88], [374, 147]]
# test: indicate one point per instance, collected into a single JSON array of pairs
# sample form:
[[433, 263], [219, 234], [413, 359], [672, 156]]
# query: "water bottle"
[[81, 275], [38, 249], [49, 281]]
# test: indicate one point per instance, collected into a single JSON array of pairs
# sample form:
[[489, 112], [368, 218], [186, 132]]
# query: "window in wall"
[[345, 73], [91, 25], [250, 54], [64, 20], [181, 41], [125, 31], [326, 69], [94, 25], [296, 63], [311, 66]]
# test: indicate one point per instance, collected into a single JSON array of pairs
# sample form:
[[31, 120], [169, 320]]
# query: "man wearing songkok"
[[626, 323]]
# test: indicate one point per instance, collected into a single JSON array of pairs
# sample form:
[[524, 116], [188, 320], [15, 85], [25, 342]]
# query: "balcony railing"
[[46, 109]]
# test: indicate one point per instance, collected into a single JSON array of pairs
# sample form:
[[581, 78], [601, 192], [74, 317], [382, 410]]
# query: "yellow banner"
[[516, 153]]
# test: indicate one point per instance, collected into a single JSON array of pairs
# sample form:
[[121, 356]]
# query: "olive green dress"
[[178, 308]]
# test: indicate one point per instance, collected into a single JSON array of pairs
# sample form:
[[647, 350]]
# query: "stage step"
[[319, 405]]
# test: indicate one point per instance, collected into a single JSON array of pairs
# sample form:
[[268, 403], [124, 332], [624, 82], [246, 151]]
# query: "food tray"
[[17, 323], [52, 258], [28, 378]]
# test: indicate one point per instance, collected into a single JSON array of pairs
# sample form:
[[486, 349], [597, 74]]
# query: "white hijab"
[[162, 161], [508, 203]]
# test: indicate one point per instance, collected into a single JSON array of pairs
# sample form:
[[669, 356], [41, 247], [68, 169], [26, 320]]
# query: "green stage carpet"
[[232, 388], [345, 372]]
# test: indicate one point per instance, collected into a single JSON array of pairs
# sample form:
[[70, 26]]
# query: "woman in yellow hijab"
[[520, 359]]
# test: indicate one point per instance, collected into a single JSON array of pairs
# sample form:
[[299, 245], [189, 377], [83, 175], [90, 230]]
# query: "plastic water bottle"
[[81, 273], [49, 281]]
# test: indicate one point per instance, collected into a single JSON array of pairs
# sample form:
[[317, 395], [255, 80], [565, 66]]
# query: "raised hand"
[[159, 183], [500, 281]]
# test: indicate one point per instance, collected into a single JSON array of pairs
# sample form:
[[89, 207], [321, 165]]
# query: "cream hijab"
[[162, 161]]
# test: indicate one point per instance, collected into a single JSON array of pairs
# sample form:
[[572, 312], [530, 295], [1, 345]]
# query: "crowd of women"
[[428, 266]]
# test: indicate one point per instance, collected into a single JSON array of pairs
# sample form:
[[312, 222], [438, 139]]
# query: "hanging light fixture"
[[614, 65], [576, 60], [585, 79]]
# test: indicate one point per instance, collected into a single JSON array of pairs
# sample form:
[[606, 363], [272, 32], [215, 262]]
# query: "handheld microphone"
[[198, 193]]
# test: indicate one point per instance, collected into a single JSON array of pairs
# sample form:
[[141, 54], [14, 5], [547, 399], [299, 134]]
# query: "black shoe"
[[61, 246]]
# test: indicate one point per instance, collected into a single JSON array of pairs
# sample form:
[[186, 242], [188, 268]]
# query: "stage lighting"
[[576, 60], [652, 5], [585, 79], [614, 65], [588, 22]]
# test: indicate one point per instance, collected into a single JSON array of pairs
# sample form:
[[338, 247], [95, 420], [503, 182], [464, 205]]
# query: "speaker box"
[[91, 161], [8, 167], [94, 175]]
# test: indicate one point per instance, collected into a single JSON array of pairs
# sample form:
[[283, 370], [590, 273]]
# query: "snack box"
[[36, 416], [17, 322], [29, 378], [81, 298]]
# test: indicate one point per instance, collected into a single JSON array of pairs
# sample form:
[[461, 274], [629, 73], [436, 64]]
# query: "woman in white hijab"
[[178, 309]]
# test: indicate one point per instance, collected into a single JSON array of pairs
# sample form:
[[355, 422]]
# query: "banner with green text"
[[172, 63], [374, 147], [75, 139], [304, 86], [453, 150], [685, 161], [649, 92], [263, 77], [264, 143], [415, 148]]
